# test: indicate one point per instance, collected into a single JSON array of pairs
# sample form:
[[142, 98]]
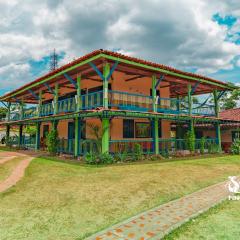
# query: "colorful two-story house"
[[130, 99]]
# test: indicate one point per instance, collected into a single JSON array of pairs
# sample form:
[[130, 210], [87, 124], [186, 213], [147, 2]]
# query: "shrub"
[[103, 158], [137, 152], [106, 158], [202, 145], [91, 158], [52, 141], [165, 153], [190, 140], [235, 147]]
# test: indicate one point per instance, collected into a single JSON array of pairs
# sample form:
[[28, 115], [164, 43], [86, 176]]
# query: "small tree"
[[52, 141]]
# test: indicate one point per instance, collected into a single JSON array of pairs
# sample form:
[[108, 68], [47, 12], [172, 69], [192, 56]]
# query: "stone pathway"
[[157, 222], [17, 173]]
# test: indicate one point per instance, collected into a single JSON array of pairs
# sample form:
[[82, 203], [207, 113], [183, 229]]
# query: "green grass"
[[7, 167], [57, 200], [220, 222]]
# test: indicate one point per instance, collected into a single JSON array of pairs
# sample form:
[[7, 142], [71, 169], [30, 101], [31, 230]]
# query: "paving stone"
[[157, 222]]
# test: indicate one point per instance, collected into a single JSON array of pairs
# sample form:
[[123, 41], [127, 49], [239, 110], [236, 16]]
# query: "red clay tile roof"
[[231, 114], [117, 55]]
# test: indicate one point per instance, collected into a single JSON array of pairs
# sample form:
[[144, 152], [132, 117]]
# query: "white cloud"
[[175, 32]]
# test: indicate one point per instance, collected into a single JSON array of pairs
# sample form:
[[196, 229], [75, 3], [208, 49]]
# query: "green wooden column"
[[217, 125], [155, 120], [216, 104], [154, 93], [56, 99], [21, 110], [7, 134], [37, 144], [8, 111], [105, 135], [189, 99], [106, 71], [77, 136], [156, 136], [190, 106], [79, 99], [39, 104], [55, 124], [20, 136]]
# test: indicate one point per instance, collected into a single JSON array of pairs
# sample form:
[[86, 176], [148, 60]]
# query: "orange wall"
[[226, 134], [116, 128]]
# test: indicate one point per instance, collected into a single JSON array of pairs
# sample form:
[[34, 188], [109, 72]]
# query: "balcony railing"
[[130, 101], [117, 100]]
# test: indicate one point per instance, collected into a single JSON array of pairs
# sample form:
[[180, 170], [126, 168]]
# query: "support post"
[[55, 124], [216, 104], [106, 71], [37, 144], [156, 136], [191, 128], [56, 99], [21, 110], [8, 111], [7, 134], [20, 136], [218, 136], [217, 125], [105, 135], [154, 93], [190, 99], [77, 136], [79, 99], [39, 103]]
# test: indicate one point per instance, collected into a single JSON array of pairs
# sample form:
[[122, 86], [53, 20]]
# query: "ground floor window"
[[143, 130], [133, 129], [128, 128]]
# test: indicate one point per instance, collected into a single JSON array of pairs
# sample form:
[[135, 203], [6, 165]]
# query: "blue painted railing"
[[92, 100], [29, 142], [46, 109], [30, 112], [67, 105], [119, 100], [130, 101]]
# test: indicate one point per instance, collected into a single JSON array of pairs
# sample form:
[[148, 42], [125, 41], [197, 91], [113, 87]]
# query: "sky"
[[200, 36]]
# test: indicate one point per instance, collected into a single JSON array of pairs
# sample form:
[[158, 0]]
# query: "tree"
[[230, 100]]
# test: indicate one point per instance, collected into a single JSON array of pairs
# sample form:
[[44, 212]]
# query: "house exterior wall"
[[116, 128]]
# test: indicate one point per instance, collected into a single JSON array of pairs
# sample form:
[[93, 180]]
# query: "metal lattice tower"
[[53, 60]]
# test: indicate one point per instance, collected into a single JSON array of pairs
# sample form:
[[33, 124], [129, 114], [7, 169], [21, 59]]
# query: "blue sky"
[[205, 39]]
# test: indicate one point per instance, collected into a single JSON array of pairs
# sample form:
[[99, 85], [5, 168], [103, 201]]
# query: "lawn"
[[67, 201], [220, 222], [7, 167]]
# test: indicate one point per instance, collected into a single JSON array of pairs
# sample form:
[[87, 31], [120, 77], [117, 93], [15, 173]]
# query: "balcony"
[[117, 100]]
